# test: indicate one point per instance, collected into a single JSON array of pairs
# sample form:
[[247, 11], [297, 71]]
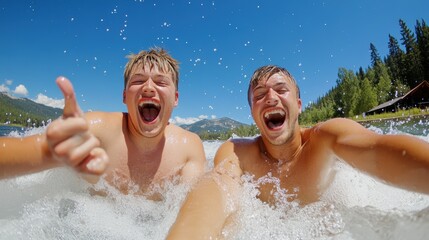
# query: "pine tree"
[[375, 57], [422, 34], [414, 73], [361, 74], [395, 61]]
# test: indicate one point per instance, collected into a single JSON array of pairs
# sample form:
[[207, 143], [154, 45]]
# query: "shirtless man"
[[139, 147], [300, 158]]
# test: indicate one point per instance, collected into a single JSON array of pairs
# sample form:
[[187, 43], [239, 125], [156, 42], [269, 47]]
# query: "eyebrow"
[[280, 83], [155, 76]]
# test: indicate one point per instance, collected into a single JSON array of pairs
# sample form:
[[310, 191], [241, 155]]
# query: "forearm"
[[203, 213], [21, 156], [404, 161], [397, 159]]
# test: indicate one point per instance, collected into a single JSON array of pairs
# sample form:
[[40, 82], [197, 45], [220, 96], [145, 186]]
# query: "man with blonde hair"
[[300, 158], [139, 146]]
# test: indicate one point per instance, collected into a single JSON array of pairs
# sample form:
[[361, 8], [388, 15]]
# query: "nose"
[[148, 87], [271, 98]]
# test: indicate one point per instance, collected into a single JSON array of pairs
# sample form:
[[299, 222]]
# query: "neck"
[[145, 144], [283, 153]]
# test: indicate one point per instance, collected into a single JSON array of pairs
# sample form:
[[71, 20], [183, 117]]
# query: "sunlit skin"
[[301, 158], [123, 146]]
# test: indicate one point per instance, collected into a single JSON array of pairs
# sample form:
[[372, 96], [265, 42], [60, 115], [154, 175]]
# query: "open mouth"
[[149, 110], [274, 118]]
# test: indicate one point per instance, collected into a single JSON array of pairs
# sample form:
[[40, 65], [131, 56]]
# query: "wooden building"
[[417, 97]]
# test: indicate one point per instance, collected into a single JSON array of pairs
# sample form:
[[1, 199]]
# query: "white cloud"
[[45, 100], [21, 90], [4, 88], [189, 120]]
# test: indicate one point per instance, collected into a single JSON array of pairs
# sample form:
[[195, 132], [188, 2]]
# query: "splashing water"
[[58, 204]]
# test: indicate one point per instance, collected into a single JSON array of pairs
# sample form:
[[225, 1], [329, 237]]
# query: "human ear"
[[176, 100]]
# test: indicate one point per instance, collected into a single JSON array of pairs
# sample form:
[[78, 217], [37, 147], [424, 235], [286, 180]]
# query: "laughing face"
[[275, 108], [150, 96]]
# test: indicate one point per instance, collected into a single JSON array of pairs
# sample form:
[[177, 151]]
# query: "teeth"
[[147, 102], [275, 111]]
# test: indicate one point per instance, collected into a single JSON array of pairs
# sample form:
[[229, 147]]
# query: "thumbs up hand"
[[69, 138]]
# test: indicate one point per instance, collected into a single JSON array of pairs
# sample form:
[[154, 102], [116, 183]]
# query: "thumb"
[[71, 108]]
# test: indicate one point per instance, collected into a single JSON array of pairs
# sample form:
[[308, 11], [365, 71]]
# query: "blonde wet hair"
[[266, 72], [153, 57]]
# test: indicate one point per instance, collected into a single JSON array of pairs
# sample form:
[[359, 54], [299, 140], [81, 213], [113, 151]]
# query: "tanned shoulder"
[[102, 123], [343, 126], [183, 132], [231, 147]]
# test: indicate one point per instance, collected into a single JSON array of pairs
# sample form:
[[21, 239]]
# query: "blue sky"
[[218, 43]]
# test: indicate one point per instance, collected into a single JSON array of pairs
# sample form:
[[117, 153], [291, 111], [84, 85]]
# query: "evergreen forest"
[[405, 66]]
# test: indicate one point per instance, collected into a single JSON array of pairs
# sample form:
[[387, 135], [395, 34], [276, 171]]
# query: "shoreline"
[[12, 125], [391, 118], [377, 119]]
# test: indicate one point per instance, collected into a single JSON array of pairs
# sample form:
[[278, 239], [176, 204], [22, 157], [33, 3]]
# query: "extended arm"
[[212, 200], [24, 155], [398, 159], [67, 140]]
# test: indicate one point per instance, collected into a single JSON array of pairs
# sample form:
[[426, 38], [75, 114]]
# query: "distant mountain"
[[24, 111], [219, 125]]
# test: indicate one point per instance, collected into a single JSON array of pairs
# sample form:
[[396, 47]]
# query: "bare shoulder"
[[100, 122], [336, 130], [237, 144], [183, 134], [186, 142], [338, 126], [234, 149], [108, 117]]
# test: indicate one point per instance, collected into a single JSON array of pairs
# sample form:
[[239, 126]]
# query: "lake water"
[[6, 130], [56, 204]]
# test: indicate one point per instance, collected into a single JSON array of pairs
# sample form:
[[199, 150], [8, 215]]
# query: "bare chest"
[[131, 167], [303, 180]]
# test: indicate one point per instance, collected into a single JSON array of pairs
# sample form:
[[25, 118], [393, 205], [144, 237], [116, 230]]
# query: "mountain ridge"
[[24, 111], [217, 125]]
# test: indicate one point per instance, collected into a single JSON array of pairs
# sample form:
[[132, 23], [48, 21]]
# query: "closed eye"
[[281, 91], [163, 81], [137, 82], [259, 93]]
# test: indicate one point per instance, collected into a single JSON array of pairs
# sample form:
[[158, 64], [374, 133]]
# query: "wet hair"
[[266, 72], [153, 57]]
